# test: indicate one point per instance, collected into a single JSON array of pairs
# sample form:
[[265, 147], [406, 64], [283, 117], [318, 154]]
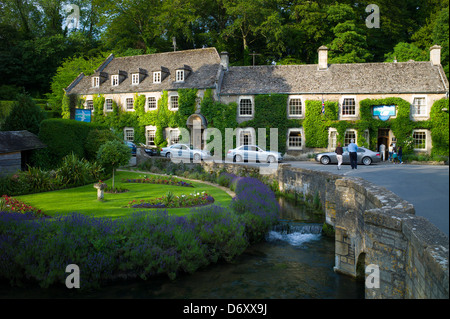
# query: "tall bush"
[[24, 115], [64, 137]]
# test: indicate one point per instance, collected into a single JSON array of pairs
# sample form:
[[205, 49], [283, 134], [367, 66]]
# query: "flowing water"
[[295, 262]]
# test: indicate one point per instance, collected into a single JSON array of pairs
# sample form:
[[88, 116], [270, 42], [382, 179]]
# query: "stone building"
[[118, 79]]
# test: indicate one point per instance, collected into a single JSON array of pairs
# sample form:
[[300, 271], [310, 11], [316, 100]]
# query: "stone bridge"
[[373, 226]]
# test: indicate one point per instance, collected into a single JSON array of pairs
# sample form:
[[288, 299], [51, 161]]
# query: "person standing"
[[339, 151], [391, 150], [383, 151], [399, 154], [352, 149]]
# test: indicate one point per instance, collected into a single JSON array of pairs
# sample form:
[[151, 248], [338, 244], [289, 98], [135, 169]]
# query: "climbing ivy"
[[316, 122], [440, 127], [271, 112]]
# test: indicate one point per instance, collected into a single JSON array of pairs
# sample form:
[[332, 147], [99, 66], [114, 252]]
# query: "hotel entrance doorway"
[[383, 138]]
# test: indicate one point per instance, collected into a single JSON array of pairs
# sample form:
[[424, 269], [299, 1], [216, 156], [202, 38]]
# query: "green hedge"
[[440, 127], [63, 137]]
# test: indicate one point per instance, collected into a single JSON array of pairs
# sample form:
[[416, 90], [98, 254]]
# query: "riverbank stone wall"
[[377, 233]]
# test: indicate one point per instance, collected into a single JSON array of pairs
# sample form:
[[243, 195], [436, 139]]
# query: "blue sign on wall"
[[384, 112], [82, 115]]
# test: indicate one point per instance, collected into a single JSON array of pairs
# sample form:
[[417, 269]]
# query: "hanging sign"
[[82, 115], [384, 112]]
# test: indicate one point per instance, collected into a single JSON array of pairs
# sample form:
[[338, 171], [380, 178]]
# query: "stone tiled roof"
[[356, 78], [15, 141], [203, 66]]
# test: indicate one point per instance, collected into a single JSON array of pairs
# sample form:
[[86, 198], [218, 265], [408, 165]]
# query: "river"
[[294, 264]]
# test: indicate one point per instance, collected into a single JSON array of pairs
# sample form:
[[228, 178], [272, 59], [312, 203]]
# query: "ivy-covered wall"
[[271, 112]]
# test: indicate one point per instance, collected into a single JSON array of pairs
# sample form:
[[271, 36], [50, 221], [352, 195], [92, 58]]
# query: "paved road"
[[424, 186]]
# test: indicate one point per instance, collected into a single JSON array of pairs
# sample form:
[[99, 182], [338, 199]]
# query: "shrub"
[[76, 172], [113, 154], [64, 137], [158, 243], [220, 230], [257, 206], [24, 115]]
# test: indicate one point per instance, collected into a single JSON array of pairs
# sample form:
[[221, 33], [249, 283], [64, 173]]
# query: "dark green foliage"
[[95, 138], [64, 137], [316, 124], [113, 154], [440, 129], [270, 112], [24, 115]]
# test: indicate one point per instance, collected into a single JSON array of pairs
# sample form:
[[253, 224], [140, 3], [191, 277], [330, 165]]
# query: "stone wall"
[[373, 226]]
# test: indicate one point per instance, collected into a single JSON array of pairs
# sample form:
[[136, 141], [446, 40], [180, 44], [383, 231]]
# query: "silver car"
[[184, 151], [253, 153], [365, 156]]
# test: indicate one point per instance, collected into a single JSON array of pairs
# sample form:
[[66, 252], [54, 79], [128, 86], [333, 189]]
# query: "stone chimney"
[[323, 58], [435, 55], [224, 60]]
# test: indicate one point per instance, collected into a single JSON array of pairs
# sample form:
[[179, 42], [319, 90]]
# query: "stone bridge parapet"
[[373, 226]]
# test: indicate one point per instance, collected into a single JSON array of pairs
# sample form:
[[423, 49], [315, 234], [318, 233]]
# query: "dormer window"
[[96, 81], [135, 79], [157, 77], [115, 80], [180, 76]]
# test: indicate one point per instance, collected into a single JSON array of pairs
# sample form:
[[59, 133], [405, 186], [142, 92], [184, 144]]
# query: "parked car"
[[365, 156], [184, 151], [253, 153], [132, 146], [149, 150]]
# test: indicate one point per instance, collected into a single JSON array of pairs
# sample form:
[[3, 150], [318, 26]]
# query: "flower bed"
[[10, 204], [174, 201], [153, 179]]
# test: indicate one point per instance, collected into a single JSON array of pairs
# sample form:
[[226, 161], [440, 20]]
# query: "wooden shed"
[[15, 150]]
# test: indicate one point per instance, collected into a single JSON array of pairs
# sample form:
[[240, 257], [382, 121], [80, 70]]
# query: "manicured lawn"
[[84, 199]]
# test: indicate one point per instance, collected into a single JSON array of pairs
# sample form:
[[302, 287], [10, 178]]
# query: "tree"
[[404, 52], [112, 155], [349, 44], [24, 115], [66, 73]]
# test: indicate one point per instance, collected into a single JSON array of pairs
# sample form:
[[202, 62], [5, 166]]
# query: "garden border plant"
[[143, 245]]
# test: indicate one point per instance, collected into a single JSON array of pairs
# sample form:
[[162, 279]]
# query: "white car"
[[253, 153], [184, 151]]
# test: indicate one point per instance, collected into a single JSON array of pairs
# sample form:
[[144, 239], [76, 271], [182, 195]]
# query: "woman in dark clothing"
[[399, 154], [339, 151]]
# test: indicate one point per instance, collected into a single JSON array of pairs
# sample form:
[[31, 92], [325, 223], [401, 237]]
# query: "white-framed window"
[[349, 136], [174, 136], [89, 104], [348, 106], [115, 80], [180, 76], [173, 102], [129, 103], [135, 79], [295, 139], [150, 134], [419, 106], [245, 136], [420, 140], [128, 134], [295, 107], [108, 104], [367, 136], [157, 77], [151, 103], [245, 106], [96, 81]]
